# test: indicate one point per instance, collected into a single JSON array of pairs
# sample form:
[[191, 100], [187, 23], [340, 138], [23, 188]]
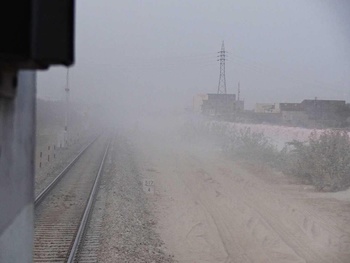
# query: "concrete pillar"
[[17, 142]]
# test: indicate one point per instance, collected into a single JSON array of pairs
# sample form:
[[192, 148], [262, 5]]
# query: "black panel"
[[53, 31], [15, 17], [36, 33]]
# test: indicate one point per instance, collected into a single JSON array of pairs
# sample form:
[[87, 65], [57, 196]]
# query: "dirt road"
[[213, 209]]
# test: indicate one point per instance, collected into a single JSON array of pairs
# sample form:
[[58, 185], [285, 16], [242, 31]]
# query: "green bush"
[[254, 145], [323, 161]]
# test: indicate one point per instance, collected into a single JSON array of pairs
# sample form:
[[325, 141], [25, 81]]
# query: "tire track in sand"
[[292, 235]]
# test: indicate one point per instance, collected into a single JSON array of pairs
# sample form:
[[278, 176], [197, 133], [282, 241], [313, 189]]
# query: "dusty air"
[[181, 131]]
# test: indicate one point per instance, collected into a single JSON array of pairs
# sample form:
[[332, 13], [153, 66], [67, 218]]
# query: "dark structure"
[[309, 113], [326, 113], [37, 33], [293, 114]]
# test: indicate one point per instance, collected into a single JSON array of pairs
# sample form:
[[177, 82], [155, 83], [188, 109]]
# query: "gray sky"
[[138, 55]]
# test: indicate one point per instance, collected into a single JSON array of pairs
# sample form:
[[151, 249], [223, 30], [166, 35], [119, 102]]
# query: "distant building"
[[267, 108], [293, 114], [308, 113], [290, 106], [198, 102], [239, 105], [221, 105], [326, 113]]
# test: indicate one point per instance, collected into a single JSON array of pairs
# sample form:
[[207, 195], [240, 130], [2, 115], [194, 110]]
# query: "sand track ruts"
[[212, 209]]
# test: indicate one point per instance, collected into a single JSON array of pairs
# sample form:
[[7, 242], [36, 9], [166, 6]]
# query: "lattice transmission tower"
[[222, 79]]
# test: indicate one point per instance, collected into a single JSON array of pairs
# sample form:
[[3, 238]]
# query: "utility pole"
[[222, 78], [66, 110]]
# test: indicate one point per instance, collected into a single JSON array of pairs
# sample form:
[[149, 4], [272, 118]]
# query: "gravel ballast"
[[128, 232]]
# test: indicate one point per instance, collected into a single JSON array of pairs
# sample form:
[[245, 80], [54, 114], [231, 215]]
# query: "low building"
[[219, 105], [308, 113], [267, 108], [326, 113], [239, 105], [293, 114], [198, 102]]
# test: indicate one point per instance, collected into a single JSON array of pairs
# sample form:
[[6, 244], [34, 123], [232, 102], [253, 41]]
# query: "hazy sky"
[[138, 55]]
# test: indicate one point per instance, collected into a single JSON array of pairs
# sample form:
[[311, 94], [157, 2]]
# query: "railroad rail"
[[61, 222], [40, 197], [87, 211]]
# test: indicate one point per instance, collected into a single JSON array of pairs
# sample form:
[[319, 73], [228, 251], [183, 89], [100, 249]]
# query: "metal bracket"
[[8, 83]]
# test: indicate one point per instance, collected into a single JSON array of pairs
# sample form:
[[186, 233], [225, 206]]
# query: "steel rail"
[[40, 197], [87, 211]]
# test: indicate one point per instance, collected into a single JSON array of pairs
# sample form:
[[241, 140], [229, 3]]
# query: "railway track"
[[62, 209], [40, 197]]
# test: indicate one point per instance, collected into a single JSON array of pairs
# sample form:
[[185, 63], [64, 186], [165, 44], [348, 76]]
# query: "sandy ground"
[[213, 209]]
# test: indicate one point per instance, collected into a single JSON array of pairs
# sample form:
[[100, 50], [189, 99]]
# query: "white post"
[[17, 143]]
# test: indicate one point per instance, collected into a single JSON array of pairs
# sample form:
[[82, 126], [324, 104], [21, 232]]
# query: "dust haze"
[[265, 182]]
